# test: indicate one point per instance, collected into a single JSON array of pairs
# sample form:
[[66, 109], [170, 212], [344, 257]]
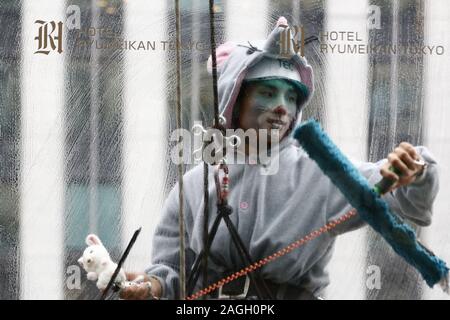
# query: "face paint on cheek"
[[258, 117], [267, 105], [262, 104], [249, 119]]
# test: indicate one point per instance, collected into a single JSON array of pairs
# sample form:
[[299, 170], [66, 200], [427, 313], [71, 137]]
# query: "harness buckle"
[[241, 295]]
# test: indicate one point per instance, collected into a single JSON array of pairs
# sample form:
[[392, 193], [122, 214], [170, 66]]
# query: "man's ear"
[[92, 239]]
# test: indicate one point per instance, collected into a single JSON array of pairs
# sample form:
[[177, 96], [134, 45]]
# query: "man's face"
[[268, 104]]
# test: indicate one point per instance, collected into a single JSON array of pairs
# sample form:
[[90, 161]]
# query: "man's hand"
[[140, 291], [403, 160]]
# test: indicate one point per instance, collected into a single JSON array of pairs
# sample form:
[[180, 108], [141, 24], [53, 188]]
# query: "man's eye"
[[267, 94], [292, 99]]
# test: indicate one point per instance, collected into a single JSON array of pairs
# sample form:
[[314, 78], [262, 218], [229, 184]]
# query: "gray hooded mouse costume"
[[272, 211]]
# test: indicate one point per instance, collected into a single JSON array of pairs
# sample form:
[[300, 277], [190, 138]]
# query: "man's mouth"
[[276, 123]]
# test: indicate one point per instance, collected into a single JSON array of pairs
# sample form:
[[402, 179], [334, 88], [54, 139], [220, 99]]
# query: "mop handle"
[[386, 183]]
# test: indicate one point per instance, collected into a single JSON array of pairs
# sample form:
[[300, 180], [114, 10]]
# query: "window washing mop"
[[369, 204]]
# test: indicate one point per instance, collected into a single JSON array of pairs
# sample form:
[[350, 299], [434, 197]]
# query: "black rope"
[[120, 263], [180, 165], [205, 164], [214, 63], [205, 225]]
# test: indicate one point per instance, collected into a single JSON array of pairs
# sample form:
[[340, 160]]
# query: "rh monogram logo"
[[49, 37], [293, 37]]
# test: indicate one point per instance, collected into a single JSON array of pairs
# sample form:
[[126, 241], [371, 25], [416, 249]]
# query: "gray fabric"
[[281, 208]]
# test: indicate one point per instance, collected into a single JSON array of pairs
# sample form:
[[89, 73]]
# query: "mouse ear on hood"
[[272, 47], [223, 52]]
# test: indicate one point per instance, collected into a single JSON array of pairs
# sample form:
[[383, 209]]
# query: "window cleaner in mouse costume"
[[260, 89]]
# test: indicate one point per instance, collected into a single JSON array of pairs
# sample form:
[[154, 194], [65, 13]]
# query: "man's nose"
[[280, 110]]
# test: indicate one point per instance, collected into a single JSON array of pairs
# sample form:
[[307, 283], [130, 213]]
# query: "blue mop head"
[[368, 203]]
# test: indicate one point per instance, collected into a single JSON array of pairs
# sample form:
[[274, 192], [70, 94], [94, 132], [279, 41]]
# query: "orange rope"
[[276, 255]]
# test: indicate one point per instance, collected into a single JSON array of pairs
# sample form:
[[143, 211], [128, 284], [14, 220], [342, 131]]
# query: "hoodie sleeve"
[[413, 202], [166, 248]]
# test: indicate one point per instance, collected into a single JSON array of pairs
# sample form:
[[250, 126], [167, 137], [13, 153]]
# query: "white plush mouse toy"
[[98, 264]]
